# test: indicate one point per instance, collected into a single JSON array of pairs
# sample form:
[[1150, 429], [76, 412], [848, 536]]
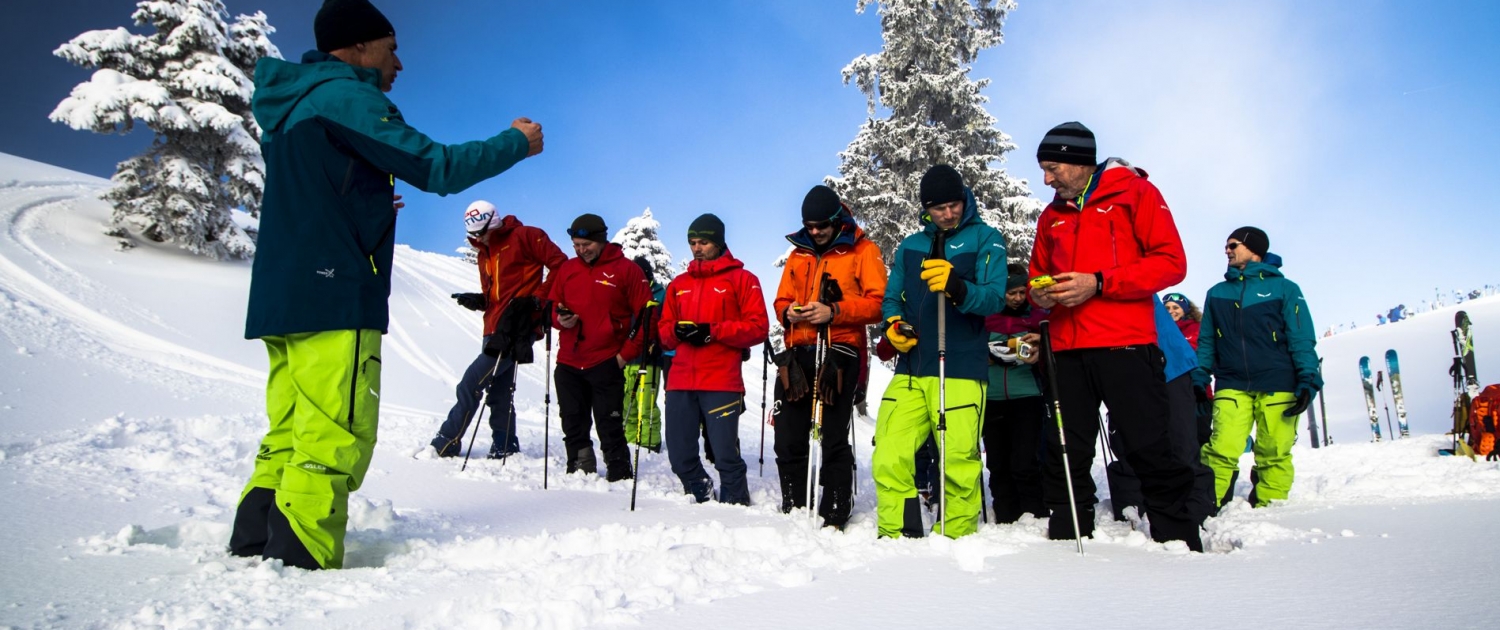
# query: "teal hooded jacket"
[[977, 252], [334, 146], [1257, 334]]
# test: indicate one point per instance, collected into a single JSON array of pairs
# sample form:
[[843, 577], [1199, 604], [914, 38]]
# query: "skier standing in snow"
[[333, 146], [595, 299], [969, 270], [713, 313], [1109, 241], [510, 257], [1260, 350], [643, 375], [1014, 414], [830, 248]]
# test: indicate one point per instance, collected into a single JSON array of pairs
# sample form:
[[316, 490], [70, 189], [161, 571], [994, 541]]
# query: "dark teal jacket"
[[977, 252], [1257, 332], [334, 146]]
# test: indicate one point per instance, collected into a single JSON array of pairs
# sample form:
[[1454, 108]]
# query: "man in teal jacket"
[[334, 146], [958, 256], [1258, 342]]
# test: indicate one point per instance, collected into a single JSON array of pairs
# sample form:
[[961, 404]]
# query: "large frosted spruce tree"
[[933, 113], [641, 236], [190, 82]]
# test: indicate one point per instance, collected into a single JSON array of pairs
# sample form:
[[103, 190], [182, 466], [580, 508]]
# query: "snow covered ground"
[[130, 408]]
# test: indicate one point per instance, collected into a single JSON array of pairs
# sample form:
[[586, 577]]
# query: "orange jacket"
[[511, 259], [855, 263]]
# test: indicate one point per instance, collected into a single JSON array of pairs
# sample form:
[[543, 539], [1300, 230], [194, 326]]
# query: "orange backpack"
[[1484, 420]]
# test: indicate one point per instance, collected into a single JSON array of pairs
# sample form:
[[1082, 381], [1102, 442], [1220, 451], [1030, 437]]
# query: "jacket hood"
[[1109, 177], [611, 253], [848, 235], [970, 216], [725, 262], [507, 225], [1269, 267], [280, 85]]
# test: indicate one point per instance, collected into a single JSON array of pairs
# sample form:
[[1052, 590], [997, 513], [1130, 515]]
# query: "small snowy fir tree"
[[934, 114], [640, 237], [189, 82], [468, 253]]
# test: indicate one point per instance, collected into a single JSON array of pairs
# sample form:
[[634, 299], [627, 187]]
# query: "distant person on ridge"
[[333, 146], [1260, 347]]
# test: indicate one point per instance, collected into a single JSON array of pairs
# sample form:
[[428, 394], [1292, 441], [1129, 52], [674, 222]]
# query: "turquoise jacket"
[[334, 146], [977, 252], [1257, 334]]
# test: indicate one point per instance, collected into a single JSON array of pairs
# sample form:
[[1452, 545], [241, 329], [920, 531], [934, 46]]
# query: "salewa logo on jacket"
[[326, 273], [1105, 210]]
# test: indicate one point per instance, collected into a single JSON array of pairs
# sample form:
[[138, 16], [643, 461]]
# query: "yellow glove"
[[901, 334], [936, 271]]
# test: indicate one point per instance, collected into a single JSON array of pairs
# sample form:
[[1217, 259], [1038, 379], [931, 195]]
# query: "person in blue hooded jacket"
[[334, 146], [1258, 343], [954, 255]]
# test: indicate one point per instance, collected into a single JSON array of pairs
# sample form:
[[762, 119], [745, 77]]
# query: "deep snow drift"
[[131, 408]]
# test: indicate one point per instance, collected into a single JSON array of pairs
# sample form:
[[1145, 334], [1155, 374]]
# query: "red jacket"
[[722, 294], [1124, 230], [511, 259], [606, 295], [1189, 330]]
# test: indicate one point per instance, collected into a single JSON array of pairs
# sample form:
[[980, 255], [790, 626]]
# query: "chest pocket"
[[1062, 238]]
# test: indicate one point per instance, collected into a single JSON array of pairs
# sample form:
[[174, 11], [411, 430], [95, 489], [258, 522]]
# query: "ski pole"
[[765, 362], [942, 424], [1323, 407], [483, 385], [640, 407], [814, 433], [1380, 380], [515, 371], [547, 399], [1062, 437]]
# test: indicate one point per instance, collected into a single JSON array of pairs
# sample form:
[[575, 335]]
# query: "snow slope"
[[131, 406]]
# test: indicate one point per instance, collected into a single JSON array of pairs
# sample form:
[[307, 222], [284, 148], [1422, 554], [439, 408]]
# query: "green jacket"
[[334, 146], [977, 252], [1257, 334]]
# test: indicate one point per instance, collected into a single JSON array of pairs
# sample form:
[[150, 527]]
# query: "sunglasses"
[[817, 225], [1232, 246]]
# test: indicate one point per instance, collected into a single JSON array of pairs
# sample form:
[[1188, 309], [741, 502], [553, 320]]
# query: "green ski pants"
[[642, 420], [908, 415], [323, 401], [1235, 412]]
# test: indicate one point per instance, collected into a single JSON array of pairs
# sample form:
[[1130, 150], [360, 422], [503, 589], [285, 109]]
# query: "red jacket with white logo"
[[720, 293], [1124, 230], [606, 296], [511, 258]]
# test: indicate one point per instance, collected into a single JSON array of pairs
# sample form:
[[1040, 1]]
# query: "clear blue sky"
[[1357, 134]]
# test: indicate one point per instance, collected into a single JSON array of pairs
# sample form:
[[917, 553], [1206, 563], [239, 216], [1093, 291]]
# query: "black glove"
[[956, 289], [471, 301], [793, 380], [1200, 394], [696, 334], [1493, 456], [1304, 399]]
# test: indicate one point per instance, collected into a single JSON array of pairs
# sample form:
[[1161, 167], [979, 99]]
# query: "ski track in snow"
[[417, 559]]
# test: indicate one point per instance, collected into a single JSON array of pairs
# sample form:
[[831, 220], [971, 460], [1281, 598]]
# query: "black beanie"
[[1068, 143], [941, 185], [1015, 280], [709, 228], [344, 23], [1254, 239], [589, 226], [820, 204], [645, 265]]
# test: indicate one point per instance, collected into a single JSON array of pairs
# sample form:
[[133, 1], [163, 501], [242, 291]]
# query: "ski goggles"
[[582, 233], [1176, 297]]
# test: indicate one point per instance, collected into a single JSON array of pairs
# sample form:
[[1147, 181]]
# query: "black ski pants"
[[1125, 486], [1131, 382], [794, 420], [1013, 448], [598, 391]]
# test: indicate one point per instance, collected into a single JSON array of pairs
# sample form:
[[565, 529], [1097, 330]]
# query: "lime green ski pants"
[[323, 401], [642, 420], [908, 415], [1235, 412]]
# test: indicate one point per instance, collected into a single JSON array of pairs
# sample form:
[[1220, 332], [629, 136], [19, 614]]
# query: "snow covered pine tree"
[[641, 237], [190, 83], [935, 115]]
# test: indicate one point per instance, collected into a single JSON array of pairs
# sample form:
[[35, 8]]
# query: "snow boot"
[[584, 461], [248, 538], [1060, 524], [618, 470], [702, 490], [283, 543], [834, 508]]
